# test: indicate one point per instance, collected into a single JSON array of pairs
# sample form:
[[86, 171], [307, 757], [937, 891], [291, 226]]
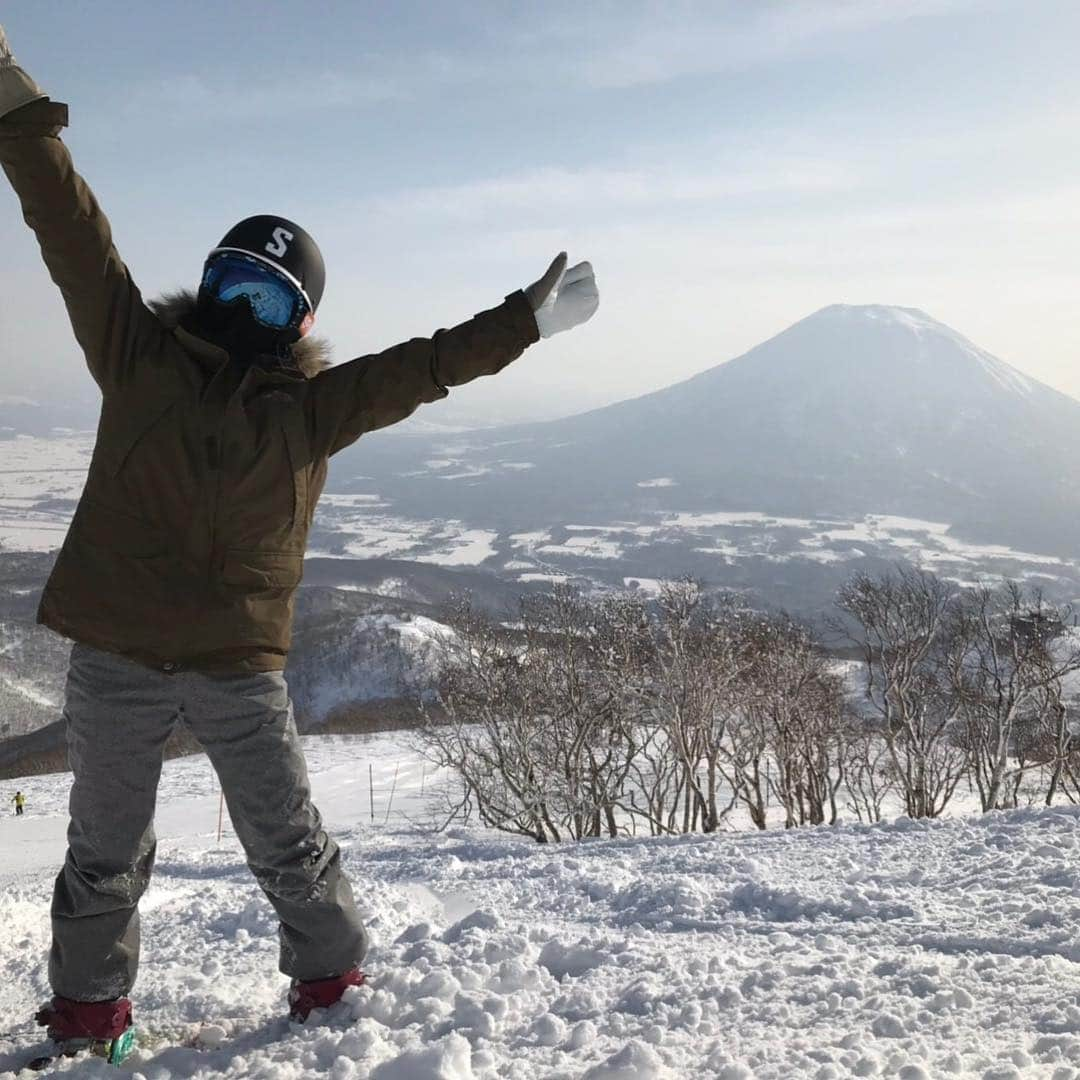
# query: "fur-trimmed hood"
[[310, 354]]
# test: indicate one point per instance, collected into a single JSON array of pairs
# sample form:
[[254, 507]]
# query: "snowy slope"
[[911, 950]]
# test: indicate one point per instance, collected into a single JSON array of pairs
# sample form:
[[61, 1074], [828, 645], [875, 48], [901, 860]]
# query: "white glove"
[[563, 299], [16, 87]]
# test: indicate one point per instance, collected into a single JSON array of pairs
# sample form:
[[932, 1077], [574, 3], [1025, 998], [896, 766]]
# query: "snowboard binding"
[[100, 1029], [114, 1051]]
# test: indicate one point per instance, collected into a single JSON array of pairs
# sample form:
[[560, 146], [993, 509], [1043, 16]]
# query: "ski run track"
[[906, 949]]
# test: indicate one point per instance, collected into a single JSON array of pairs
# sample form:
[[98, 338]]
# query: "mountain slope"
[[852, 411]]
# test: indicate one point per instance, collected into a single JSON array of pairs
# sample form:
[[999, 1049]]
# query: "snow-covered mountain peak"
[[884, 317], [907, 336], [885, 313]]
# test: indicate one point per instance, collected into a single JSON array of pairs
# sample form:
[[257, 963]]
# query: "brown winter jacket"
[[188, 542]]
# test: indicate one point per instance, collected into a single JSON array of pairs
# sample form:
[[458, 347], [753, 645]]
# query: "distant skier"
[[177, 577], [19, 799]]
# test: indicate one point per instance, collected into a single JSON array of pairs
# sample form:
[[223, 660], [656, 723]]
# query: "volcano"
[[854, 410]]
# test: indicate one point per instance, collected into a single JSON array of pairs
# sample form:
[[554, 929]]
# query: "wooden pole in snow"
[[390, 801], [220, 813], [371, 791]]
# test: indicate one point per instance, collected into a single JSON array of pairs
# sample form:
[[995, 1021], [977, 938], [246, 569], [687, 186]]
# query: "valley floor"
[[907, 949]]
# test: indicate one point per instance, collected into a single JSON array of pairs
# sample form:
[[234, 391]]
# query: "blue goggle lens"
[[274, 300]]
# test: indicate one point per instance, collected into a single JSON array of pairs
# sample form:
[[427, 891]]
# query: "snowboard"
[[147, 1040], [114, 1051]]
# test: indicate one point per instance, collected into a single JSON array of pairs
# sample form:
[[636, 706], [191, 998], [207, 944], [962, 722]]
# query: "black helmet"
[[285, 246]]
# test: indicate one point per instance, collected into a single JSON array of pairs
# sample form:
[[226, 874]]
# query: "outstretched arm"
[[375, 391], [106, 310]]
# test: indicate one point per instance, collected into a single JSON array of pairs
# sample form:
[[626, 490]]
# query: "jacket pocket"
[[103, 527], [261, 571], [120, 434]]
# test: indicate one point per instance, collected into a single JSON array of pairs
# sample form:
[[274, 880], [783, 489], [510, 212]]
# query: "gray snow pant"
[[119, 714]]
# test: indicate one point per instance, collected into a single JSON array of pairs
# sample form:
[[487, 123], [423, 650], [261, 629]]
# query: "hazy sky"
[[729, 167]]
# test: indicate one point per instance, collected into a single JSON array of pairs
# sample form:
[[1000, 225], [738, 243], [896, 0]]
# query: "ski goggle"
[[276, 301]]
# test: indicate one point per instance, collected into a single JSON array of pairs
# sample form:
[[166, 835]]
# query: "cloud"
[[190, 98], [907, 173], [601, 47], [645, 44], [559, 192]]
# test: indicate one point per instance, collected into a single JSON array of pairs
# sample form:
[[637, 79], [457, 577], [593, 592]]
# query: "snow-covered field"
[[366, 529], [41, 479], [908, 949]]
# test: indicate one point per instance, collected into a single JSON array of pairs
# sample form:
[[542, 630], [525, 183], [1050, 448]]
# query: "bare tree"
[[587, 717], [795, 713], [649, 789], [869, 777], [574, 643], [1055, 741], [696, 669], [898, 622], [1007, 656], [491, 737], [540, 724]]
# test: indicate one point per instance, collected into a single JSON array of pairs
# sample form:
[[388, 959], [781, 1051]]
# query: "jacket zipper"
[[213, 480]]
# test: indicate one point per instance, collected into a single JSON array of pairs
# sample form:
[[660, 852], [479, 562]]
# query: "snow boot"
[[304, 997], [95, 1028]]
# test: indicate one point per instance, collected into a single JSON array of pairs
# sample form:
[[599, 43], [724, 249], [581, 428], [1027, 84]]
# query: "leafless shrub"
[[696, 668], [535, 728], [491, 736], [1006, 656], [869, 777], [589, 717], [899, 623]]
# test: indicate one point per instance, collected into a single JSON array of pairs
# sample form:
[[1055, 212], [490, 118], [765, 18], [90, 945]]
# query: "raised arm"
[[106, 310], [376, 391]]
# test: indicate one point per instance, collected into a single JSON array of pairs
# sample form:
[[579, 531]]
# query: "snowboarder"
[[19, 799], [177, 576]]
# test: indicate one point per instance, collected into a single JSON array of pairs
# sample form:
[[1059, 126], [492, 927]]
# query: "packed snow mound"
[[906, 949]]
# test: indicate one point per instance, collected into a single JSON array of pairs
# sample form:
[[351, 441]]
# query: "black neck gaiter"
[[233, 327]]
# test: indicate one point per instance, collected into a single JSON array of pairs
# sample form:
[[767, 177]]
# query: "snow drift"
[[909, 949]]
